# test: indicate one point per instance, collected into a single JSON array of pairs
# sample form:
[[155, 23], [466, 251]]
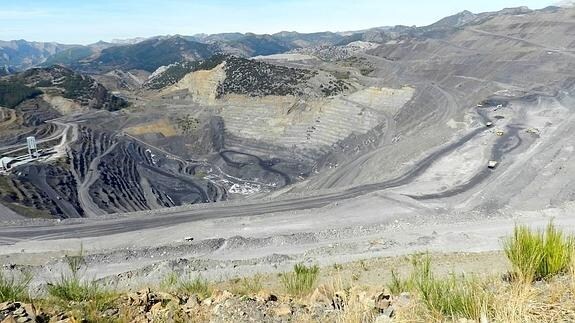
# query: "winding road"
[[173, 217], [62, 127]]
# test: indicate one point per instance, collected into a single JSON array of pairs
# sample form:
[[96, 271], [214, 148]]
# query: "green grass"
[[537, 255], [197, 286], [248, 285], [170, 282], [558, 250], [174, 283], [421, 272], [301, 281], [14, 289], [533, 254], [397, 284], [70, 287], [453, 297]]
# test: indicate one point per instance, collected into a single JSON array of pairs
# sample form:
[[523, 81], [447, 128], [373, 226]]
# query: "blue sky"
[[86, 21]]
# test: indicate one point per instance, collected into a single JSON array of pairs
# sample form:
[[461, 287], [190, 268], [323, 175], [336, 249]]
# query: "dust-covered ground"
[[222, 249]]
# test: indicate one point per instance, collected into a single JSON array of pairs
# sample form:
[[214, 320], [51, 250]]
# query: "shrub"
[[301, 281], [256, 79], [12, 289], [537, 255]]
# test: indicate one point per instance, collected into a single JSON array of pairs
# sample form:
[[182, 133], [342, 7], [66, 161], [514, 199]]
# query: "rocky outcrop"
[[223, 306], [201, 85]]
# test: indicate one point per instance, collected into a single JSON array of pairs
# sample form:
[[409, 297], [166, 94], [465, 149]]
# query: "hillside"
[[253, 78], [173, 73], [253, 45], [13, 93], [5, 70], [71, 57], [150, 54], [20, 54], [60, 81]]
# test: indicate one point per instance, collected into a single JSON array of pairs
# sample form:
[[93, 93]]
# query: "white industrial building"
[[6, 163]]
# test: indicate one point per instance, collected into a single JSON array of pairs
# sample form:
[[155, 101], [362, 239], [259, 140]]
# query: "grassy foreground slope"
[[536, 284]]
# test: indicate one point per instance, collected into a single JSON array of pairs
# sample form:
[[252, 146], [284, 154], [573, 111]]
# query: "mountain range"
[[154, 52]]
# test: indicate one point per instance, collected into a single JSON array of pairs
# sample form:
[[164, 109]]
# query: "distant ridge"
[[150, 53]]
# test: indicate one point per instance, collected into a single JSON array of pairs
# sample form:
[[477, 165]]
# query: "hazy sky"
[[86, 21]]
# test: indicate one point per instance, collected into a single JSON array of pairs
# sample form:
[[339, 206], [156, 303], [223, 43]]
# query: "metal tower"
[[32, 148]]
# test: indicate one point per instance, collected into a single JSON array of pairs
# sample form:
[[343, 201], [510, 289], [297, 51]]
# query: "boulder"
[[141, 297], [111, 312], [9, 319], [338, 301], [192, 303], [265, 296], [167, 297], [156, 309], [383, 319], [31, 311], [20, 311], [282, 310], [382, 301], [207, 302], [319, 296], [221, 296], [7, 306]]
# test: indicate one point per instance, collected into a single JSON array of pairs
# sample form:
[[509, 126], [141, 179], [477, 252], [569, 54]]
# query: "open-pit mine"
[[233, 161]]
